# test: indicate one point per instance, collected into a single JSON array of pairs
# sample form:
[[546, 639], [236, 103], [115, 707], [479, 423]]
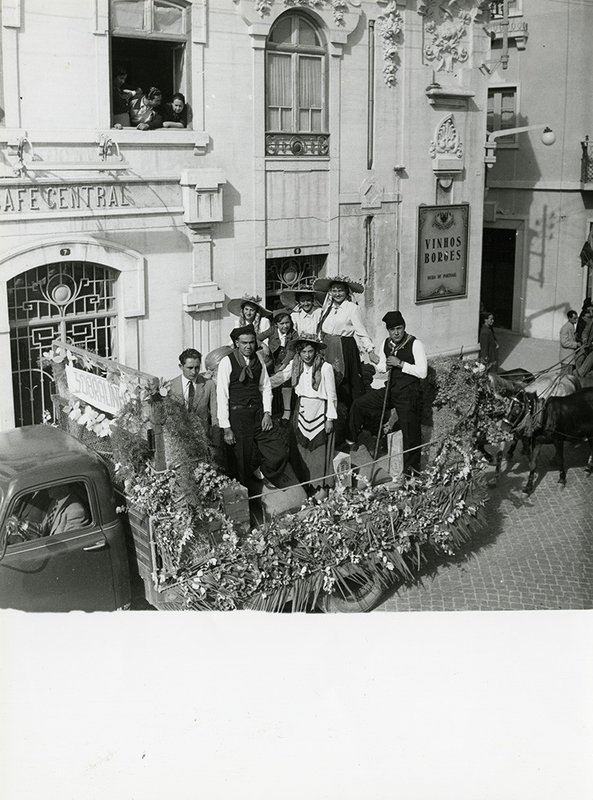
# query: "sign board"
[[442, 252], [94, 390]]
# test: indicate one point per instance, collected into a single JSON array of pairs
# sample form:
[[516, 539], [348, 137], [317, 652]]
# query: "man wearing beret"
[[244, 396], [404, 357]]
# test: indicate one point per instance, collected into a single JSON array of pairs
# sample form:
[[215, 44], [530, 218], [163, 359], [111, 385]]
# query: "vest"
[[247, 392], [401, 381]]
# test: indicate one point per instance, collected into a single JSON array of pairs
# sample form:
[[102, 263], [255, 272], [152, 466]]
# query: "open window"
[[149, 42]]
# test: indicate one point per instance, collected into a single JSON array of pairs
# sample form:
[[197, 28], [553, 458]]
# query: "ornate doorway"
[[71, 300]]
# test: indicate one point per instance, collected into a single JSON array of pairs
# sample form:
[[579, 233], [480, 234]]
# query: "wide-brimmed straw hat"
[[235, 306], [307, 338], [323, 284], [288, 298]]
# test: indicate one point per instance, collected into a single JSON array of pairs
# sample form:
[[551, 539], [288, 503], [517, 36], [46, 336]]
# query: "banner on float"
[[94, 390]]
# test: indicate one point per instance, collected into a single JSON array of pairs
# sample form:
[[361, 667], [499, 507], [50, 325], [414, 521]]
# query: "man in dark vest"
[[244, 396], [403, 357]]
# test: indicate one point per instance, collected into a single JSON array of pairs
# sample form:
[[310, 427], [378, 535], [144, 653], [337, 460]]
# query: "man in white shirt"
[[244, 396], [404, 358]]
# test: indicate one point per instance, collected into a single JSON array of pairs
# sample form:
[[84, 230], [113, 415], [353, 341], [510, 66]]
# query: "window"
[[497, 8], [149, 42], [296, 85], [502, 113], [61, 508]]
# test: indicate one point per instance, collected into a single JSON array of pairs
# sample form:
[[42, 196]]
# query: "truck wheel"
[[358, 595]]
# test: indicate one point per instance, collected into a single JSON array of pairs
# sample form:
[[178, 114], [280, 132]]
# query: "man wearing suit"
[[65, 511], [197, 393]]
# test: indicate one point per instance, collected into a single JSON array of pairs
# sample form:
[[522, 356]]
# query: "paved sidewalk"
[[535, 552]]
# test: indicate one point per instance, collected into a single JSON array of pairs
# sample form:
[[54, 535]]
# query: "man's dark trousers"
[[254, 447], [366, 413]]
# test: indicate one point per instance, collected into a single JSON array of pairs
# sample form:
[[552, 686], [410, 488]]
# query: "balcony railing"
[[587, 163]]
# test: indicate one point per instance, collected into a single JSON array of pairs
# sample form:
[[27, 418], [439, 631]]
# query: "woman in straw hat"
[[343, 330], [312, 380], [250, 312]]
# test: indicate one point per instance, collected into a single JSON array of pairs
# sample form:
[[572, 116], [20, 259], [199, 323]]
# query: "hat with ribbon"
[[244, 330], [324, 284], [290, 297], [235, 306], [394, 319]]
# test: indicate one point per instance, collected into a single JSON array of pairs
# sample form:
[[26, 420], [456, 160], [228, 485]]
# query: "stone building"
[[324, 136], [539, 200]]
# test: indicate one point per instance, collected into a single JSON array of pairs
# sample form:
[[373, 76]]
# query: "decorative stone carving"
[[201, 190], [390, 24], [446, 150], [446, 140], [340, 18], [446, 25], [371, 194], [297, 144], [339, 7]]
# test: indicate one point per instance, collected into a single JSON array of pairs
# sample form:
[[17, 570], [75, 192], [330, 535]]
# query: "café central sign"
[[44, 198], [442, 252]]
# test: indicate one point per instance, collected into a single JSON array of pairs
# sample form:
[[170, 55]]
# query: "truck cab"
[[62, 542]]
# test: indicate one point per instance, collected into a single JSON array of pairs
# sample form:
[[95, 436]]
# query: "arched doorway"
[[70, 300]]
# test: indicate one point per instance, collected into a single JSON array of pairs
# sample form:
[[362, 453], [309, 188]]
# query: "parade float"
[[194, 537]]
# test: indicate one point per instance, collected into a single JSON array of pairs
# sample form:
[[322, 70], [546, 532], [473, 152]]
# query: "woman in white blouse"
[[312, 380], [342, 329]]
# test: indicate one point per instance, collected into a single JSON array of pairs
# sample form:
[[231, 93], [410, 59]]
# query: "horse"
[[551, 420]]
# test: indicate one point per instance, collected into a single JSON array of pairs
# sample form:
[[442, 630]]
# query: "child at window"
[[175, 112], [145, 110]]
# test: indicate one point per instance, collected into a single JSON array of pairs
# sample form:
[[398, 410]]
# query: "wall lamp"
[[548, 138]]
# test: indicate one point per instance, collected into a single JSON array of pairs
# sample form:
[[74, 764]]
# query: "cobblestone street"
[[535, 552]]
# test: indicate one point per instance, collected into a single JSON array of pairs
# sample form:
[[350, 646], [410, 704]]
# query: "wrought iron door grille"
[[73, 301], [296, 273]]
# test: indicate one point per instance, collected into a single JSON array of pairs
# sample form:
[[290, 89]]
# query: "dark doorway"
[[498, 275]]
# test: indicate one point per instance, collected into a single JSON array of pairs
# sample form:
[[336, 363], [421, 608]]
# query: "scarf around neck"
[[298, 366]]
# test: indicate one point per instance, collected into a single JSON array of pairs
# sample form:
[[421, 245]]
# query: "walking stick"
[[387, 384]]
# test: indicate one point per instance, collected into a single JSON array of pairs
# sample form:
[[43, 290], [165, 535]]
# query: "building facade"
[[324, 137], [539, 199]]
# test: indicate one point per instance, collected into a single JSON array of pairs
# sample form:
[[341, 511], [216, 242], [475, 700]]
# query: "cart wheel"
[[359, 596]]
